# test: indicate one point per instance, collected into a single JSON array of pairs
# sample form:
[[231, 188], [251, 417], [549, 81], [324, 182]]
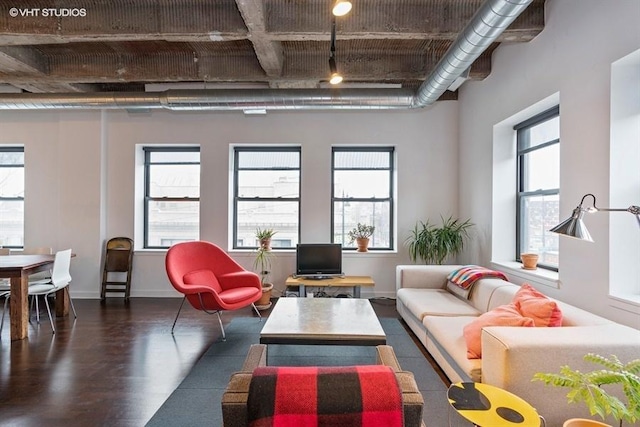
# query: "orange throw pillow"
[[504, 315], [534, 304]]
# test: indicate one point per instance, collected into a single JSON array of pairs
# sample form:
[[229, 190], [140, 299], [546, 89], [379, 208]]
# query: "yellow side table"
[[489, 406]]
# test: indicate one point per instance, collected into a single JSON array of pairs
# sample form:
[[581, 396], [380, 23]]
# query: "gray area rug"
[[196, 401]]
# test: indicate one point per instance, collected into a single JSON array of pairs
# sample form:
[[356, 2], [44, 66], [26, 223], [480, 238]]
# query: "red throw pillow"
[[504, 315], [534, 304]]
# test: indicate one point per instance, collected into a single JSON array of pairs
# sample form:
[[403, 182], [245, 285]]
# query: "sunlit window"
[[538, 187], [172, 195], [12, 197], [362, 193], [266, 195]]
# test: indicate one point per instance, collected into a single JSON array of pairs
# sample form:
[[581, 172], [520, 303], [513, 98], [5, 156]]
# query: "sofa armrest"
[[512, 355], [423, 276]]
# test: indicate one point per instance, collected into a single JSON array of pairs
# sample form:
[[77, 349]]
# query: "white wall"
[[80, 165], [80, 171], [571, 58]]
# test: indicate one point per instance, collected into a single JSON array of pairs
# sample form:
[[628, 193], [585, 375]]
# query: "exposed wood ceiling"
[[123, 45]]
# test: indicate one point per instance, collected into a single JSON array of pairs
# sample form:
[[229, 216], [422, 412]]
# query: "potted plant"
[[434, 244], [262, 264], [587, 387], [360, 234], [264, 237]]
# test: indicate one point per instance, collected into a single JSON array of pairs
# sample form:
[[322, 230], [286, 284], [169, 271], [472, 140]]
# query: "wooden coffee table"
[[323, 321]]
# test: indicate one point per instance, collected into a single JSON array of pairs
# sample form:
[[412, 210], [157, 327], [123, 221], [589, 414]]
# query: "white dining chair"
[[38, 250], [5, 295], [5, 284], [60, 279]]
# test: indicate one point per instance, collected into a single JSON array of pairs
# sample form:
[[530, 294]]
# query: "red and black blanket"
[[358, 396]]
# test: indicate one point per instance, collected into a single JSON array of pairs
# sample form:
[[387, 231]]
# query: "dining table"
[[18, 268]]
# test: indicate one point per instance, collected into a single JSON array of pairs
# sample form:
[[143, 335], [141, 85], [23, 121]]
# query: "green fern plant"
[[586, 387], [434, 244]]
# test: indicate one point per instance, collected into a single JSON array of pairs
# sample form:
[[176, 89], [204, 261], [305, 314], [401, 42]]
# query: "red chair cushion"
[[239, 295], [202, 277]]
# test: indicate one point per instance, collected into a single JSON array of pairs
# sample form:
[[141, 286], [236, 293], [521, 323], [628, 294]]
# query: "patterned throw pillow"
[[534, 304]]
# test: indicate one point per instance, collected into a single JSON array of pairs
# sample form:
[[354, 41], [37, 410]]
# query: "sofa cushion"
[[574, 316], [434, 302], [534, 304], [458, 291], [503, 295], [504, 315], [446, 335]]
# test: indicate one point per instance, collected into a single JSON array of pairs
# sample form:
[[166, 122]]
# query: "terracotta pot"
[[265, 244], [363, 244], [583, 422], [529, 261], [265, 300]]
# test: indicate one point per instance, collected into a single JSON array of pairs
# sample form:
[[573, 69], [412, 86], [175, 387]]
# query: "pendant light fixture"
[[341, 7], [336, 78]]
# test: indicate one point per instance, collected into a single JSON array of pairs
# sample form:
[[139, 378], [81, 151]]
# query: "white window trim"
[[503, 221]]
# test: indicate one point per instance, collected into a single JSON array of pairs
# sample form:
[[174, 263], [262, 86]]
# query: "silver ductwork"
[[483, 29], [217, 100]]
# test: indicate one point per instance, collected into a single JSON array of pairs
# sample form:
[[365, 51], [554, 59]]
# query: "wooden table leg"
[[19, 307], [62, 302]]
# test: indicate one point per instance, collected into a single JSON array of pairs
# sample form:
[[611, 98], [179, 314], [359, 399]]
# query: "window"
[[12, 197], [266, 195], [362, 192], [624, 182], [171, 195], [538, 182]]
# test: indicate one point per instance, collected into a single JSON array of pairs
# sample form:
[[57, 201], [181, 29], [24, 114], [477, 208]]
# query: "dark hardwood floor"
[[112, 366]]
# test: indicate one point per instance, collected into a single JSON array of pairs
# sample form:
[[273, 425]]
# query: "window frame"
[[391, 199], [237, 199], [147, 185], [521, 162], [14, 149]]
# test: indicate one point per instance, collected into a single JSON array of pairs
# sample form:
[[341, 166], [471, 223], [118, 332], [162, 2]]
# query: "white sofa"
[[510, 355]]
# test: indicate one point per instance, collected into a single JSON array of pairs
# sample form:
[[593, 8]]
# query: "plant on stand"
[[434, 244], [587, 387], [262, 264], [264, 237], [361, 235]]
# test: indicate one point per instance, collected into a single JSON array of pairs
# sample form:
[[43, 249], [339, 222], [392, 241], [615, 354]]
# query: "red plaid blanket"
[[466, 276], [358, 396]]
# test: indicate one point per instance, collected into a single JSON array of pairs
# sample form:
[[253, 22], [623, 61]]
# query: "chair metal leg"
[[178, 314], [46, 303], [224, 337], [37, 310], [72, 307], [4, 310], [257, 311]]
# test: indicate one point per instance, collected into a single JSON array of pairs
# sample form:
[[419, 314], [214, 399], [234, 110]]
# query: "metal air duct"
[[484, 28]]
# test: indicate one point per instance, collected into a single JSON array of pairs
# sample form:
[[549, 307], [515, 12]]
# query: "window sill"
[[627, 302], [540, 276]]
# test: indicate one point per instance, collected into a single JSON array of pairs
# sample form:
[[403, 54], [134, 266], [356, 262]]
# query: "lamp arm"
[[635, 210], [631, 209]]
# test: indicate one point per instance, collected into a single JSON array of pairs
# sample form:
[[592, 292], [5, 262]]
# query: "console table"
[[355, 282]]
